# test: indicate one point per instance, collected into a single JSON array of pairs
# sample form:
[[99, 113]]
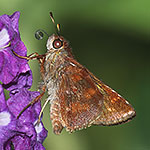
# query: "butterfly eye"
[[57, 43]]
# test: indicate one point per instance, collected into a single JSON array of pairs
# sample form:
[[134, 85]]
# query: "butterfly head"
[[55, 42]]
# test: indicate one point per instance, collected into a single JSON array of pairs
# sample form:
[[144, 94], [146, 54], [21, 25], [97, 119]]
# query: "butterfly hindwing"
[[116, 109]]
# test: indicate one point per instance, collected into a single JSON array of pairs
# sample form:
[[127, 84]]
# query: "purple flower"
[[16, 77], [10, 65]]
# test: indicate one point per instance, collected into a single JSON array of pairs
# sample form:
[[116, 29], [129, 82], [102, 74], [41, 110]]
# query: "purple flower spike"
[[16, 77], [7, 121], [22, 133], [10, 65]]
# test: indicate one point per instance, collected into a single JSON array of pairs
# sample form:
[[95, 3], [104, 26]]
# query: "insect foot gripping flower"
[[16, 77]]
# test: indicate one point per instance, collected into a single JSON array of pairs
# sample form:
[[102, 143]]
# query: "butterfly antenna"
[[56, 25]]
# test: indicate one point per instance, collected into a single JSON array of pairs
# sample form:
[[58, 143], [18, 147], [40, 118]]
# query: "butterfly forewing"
[[81, 101]]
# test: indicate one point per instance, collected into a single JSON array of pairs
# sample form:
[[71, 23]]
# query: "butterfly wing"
[[85, 100], [80, 100], [116, 109]]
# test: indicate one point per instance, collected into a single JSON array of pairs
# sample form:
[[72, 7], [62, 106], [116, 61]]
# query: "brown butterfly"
[[78, 99]]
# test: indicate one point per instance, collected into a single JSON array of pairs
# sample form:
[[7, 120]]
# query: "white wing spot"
[[127, 102], [5, 118], [72, 64], [113, 90], [109, 109], [125, 115], [130, 112]]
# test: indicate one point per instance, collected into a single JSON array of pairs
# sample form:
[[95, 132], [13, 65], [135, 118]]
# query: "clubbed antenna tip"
[[57, 26]]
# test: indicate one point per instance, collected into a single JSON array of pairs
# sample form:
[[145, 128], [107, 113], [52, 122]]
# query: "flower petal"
[[39, 146], [2, 99], [4, 38], [19, 99], [5, 118], [11, 65], [6, 128], [41, 132], [14, 20]]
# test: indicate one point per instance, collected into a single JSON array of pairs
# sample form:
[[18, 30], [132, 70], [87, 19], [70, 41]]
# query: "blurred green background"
[[112, 39]]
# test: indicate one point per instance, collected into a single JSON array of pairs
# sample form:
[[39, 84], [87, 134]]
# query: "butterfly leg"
[[30, 57], [43, 107], [31, 103]]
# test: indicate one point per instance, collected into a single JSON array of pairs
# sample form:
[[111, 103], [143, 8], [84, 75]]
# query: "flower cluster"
[[16, 78]]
